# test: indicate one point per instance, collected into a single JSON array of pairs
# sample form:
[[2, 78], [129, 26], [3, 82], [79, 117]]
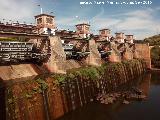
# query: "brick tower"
[[45, 24], [120, 37], [129, 38], [105, 34], [83, 30]]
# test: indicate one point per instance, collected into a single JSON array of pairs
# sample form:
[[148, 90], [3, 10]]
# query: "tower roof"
[[129, 35], [83, 24], [44, 15], [104, 29], [119, 33]]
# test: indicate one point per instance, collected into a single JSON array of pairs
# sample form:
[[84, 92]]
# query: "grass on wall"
[[108, 71], [8, 39], [95, 73]]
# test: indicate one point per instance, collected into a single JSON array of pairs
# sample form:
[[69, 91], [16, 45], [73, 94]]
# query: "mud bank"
[[50, 97]]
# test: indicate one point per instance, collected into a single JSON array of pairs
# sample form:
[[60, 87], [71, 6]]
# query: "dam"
[[48, 74]]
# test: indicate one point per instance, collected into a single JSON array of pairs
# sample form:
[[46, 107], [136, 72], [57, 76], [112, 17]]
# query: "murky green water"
[[148, 109]]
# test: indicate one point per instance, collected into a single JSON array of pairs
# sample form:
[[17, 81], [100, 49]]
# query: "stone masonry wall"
[[49, 98], [142, 51]]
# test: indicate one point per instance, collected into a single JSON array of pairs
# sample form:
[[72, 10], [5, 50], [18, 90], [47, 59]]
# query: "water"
[[148, 109]]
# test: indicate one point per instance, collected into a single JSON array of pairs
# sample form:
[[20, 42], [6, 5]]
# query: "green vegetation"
[[155, 51], [8, 39], [28, 95], [30, 92], [154, 40], [88, 73], [107, 71], [155, 56], [20, 39], [42, 84]]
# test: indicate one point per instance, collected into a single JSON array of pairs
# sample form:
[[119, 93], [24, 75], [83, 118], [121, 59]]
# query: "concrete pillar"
[[57, 59]]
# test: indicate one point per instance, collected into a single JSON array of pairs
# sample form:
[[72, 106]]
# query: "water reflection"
[[145, 84], [137, 110], [2, 100]]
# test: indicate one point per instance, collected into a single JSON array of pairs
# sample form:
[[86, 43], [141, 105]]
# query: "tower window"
[[87, 28], [102, 32], [79, 27], [39, 20], [49, 20]]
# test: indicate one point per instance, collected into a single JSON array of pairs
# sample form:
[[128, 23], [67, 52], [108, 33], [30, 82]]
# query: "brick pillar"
[[94, 57], [57, 60], [115, 55], [128, 54]]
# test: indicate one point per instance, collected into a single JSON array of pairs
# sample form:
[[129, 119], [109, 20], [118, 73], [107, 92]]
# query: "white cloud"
[[17, 9], [99, 23], [69, 22], [71, 19], [135, 23], [141, 23], [140, 13], [158, 8], [64, 21]]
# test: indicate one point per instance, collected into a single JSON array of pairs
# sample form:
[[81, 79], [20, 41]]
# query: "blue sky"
[[140, 20]]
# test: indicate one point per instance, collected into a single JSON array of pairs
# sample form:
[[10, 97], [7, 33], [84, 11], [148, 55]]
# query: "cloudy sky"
[[141, 20]]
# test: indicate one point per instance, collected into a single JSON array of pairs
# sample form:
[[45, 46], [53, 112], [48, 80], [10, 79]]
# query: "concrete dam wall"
[[51, 97]]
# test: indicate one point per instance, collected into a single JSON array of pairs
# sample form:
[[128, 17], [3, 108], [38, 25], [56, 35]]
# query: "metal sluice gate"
[[19, 51], [72, 53]]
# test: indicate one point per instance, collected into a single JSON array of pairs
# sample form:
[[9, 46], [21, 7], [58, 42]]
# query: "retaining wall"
[[50, 97]]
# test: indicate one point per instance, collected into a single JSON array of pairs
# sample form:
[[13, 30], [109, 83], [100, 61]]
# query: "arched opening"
[[155, 57]]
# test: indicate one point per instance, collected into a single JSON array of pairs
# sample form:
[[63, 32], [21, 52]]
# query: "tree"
[[155, 56]]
